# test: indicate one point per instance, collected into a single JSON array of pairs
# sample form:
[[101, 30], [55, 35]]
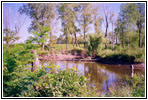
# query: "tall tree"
[[140, 19], [63, 12], [107, 14], [116, 31], [132, 15], [85, 19], [42, 14], [122, 24], [112, 21], [106, 18], [97, 19], [67, 13], [71, 23]]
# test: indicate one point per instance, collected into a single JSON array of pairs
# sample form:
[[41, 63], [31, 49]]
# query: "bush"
[[65, 83], [44, 84], [93, 43], [15, 58], [119, 58], [79, 51]]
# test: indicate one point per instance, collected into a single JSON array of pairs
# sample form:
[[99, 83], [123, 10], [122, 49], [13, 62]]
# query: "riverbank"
[[70, 57]]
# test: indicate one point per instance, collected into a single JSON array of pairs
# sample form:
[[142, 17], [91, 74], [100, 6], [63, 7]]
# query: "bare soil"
[[70, 57], [66, 57]]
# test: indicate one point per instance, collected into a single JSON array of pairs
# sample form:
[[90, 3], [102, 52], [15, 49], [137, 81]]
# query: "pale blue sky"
[[24, 29]]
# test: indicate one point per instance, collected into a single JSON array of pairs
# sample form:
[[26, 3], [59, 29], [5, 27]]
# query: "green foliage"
[[131, 16], [139, 86], [44, 84], [79, 51], [9, 36], [65, 83], [122, 91], [119, 58], [42, 36], [93, 43], [40, 13], [19, 81], [15, 58]]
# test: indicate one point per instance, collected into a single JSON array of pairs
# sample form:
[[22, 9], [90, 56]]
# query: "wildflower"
[[75, 69], [57, 66]]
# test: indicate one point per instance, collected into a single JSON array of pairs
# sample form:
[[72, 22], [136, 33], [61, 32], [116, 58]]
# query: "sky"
[[24, 34]]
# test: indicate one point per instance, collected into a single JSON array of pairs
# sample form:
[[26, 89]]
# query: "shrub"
[[119, 58], [64, 83], [79, 51], [93, 43], [44, 84]]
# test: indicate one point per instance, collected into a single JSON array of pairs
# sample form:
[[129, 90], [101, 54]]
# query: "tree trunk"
[[122, 39], [112, 37], [35, 64], [42, 47], [66, 43], [84, 36], [73, 41], [106, 30], [116, 40], [76, 42], [139, 37], [106, 25], [143, 41], [50, 37]]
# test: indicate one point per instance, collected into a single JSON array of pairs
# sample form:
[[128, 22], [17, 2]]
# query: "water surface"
[[102, 76]]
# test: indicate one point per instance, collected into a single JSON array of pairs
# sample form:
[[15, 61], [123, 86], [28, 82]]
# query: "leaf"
[[35, 33]]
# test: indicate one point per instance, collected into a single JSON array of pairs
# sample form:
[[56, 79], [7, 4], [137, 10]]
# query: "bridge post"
[[132, 71]]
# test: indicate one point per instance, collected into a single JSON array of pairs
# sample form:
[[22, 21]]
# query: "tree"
[[71, 23], [41, 37], [42, 14], [132, 16], [63, 12], [122, 24], [112, 21], [80, 40], [116, 31], [107, 15], [97, 19], [85, 19], [140, 19], [67, 13]]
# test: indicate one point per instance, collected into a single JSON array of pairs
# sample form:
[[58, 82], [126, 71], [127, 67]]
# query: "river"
[[102, 76]]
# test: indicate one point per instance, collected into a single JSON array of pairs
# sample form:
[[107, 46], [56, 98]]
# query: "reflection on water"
[[100, 75]]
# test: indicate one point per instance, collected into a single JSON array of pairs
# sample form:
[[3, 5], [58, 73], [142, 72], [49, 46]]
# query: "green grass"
[[62, 47]]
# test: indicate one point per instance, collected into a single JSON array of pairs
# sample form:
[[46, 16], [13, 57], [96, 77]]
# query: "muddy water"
[[102, 76]]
